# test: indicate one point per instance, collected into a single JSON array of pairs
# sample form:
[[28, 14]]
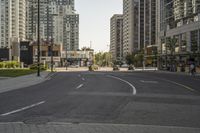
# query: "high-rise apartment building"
[[66, 25], [46, 23], [4, 23], [178, 20], [139, 25], [147, 23], [58, 21], [12, 24], [12, 21], [130, 26], [116, 37], [18, 19]]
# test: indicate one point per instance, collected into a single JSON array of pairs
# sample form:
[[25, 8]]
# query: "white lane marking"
[[22, 109], [152, 82], [81, 85], [130, 125], [186, 87], [133, 87]]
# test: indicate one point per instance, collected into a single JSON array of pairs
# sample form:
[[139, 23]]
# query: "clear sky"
[[95, 21]]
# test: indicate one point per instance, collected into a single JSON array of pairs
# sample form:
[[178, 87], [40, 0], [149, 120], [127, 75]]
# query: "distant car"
[[131, 67], [116, 68], [74, 66], [124, 66]]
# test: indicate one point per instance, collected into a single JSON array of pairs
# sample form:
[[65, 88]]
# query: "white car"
[[74, 66], [124, 66]]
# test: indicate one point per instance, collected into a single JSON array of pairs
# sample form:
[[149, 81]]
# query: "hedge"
[[9, 64]]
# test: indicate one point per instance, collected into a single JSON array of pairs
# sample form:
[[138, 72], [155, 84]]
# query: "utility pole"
[[38, 41], [51, 52]]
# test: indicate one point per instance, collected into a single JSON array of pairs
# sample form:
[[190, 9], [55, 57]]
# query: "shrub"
[[35, 67], [2, 65], [90, 68], [9, 64], [93, 67]]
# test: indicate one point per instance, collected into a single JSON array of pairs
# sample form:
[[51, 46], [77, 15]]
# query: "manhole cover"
[[36, 120]]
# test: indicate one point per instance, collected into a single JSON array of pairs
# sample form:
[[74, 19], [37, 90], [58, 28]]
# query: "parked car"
[[74, 66], [131, 67], [124, 66], [115, 68]]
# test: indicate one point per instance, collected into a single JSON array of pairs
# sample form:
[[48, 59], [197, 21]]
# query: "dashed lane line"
[[22, 109], [80, 86]]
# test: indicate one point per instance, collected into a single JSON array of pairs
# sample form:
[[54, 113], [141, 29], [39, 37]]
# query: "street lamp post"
[[52, 53], [38, 41]]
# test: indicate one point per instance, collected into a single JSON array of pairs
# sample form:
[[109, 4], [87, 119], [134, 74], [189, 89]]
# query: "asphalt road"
[[144, 98]]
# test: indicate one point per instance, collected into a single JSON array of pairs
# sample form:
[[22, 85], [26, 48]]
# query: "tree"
[[139, 58], [171, 44], [130, 58], [135, 58], [103, 59]]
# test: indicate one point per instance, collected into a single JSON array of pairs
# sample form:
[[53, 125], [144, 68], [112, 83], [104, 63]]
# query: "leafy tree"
[[135, 58], [171, 44], [103, 59], [130, 59]]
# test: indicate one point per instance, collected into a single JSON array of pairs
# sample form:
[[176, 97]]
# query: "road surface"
[[145, 99]]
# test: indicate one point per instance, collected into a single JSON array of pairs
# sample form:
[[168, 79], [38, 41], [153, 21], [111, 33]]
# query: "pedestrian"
[[192, 69]]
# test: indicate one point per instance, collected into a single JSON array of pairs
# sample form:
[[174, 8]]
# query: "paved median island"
[[17, 82]]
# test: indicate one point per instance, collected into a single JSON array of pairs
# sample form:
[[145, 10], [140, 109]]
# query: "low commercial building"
[[45, 53], [80, 58], [4, 54]]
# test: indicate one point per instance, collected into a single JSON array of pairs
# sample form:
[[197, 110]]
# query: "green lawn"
[[15, 72]]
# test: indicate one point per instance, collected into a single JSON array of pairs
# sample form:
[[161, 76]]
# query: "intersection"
[[125, 98]]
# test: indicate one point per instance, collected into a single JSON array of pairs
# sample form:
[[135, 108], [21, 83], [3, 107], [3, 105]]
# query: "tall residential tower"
[[116, 37], [58, 21], [66, 25], [130, 26], [178, 20], [12, 23]]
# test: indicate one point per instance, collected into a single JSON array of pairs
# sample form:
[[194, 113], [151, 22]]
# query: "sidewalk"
[[180, 73], [70, 69], [91, 128], [22, 81]]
